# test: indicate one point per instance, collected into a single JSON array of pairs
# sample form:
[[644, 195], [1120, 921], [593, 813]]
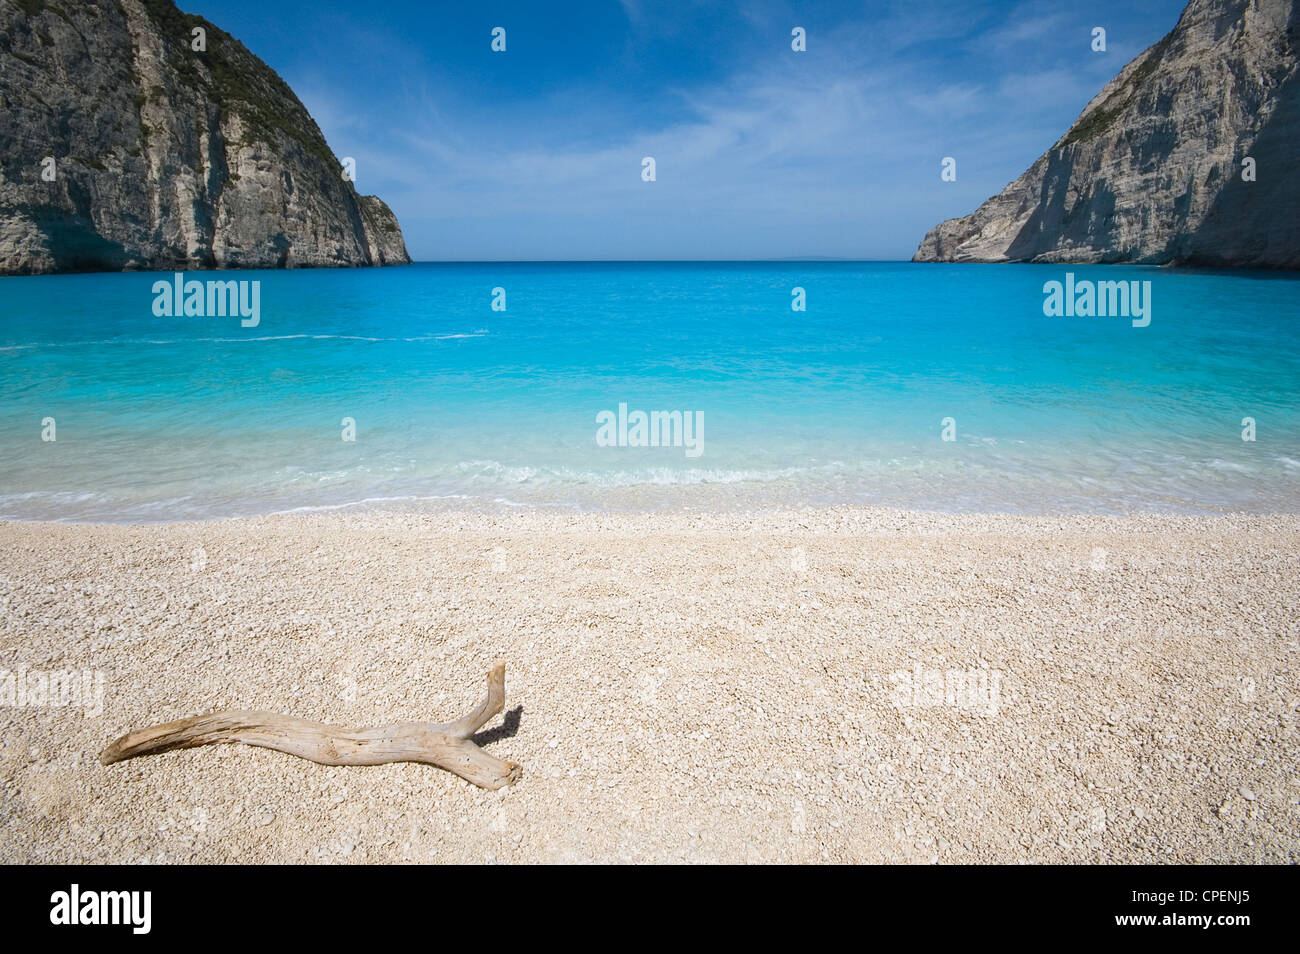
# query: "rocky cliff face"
[[1152, 171], [163, 156]]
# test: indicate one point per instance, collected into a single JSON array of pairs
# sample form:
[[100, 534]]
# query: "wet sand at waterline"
[[831, 684]]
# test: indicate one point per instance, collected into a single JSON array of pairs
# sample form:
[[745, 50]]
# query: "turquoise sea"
[[454, 403]]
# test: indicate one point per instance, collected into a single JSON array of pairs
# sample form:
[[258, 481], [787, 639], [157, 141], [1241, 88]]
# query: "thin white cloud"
[[836, 154]]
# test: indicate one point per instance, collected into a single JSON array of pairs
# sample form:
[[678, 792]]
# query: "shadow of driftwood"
[[508, 727]]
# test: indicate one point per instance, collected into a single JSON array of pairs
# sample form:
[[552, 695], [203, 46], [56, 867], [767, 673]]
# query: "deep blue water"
[[163, 418]]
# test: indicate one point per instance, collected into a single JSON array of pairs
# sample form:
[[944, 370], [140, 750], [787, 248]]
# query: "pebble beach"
[[841, 685]]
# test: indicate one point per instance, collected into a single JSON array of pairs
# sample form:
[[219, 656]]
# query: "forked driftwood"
[[446, 745]]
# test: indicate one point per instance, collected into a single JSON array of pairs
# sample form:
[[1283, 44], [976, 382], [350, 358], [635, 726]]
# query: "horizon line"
[[646, 261]]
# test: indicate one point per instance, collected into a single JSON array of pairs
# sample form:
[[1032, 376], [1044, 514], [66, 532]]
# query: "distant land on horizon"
[[1187, 157], [143, 152]]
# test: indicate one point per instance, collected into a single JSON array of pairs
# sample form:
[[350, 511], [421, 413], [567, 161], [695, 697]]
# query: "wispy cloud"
[[760, 151]]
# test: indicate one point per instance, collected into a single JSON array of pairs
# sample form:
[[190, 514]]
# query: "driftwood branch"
[[446, 745]]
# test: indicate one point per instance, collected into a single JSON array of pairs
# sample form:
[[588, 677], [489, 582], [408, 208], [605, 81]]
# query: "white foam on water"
[[98, 342], [648, 476]]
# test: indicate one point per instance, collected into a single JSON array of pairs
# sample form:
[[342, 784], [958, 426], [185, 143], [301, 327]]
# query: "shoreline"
[[503, 509], [684, 686]]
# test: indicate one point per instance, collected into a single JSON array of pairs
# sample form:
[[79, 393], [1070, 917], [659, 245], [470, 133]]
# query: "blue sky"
[[761, 152]]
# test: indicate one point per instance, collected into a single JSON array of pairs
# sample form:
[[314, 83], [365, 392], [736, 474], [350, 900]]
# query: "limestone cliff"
[[1152, 171], [163, 156]]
